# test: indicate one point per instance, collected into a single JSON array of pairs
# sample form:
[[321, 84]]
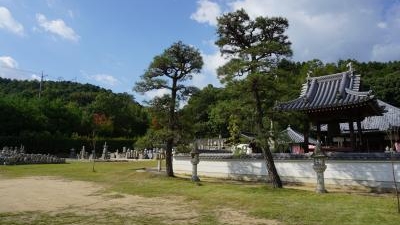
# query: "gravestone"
[[82, 154], [72, 153]]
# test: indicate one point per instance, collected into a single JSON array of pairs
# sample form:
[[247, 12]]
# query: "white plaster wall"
[[375, 174]]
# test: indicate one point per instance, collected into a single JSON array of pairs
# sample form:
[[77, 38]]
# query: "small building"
[[334, 99], [379, 131], [212, 144], [293, 141]]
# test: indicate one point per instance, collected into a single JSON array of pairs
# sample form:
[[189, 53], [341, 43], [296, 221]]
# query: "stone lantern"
[[195, 160], [319, 167]]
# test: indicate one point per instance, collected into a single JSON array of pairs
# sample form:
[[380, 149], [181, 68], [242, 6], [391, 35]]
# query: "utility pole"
[[40, 84]]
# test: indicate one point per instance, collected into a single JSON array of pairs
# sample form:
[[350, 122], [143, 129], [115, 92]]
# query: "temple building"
[[293, 141], [379, 131], [332, 100]]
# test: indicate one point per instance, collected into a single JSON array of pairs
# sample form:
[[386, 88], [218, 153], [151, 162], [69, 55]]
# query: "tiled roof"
[[389, 119], [378, 156], [292, 136], [330, 91]]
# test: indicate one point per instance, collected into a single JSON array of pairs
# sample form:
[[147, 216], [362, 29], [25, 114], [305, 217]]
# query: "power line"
[[20, 70], [36, 73]]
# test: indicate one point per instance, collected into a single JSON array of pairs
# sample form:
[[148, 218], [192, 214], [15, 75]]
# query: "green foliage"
[[183, 148], [65, 110], [234, 129], [254, 48], [170, 71], [208, 111], [154, 139]]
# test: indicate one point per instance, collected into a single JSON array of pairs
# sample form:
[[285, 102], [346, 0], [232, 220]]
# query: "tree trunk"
[[272, 173], [168, 158], [171, 128], [264, 135]]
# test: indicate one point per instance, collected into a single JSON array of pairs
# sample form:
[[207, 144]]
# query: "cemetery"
[[126, 154], [17, 156]]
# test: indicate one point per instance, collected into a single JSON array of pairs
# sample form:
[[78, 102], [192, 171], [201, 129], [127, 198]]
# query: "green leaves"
[[169, 70], [67, 108], [252, 45]]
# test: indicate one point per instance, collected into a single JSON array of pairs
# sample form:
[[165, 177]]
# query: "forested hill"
[[67, 91], [68, 109]]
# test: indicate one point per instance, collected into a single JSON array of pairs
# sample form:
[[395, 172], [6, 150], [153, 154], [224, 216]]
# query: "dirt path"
[[53, 195]]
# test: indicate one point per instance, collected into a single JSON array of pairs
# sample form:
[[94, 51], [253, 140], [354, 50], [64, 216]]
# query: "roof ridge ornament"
[[309, 74], [350, 66]]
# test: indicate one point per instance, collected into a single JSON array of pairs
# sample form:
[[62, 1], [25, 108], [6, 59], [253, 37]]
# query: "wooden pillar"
[[360, 138], [306, 135], [319, 132], [352, 137]]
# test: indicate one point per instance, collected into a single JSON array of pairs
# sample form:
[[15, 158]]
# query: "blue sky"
[[110, 43]]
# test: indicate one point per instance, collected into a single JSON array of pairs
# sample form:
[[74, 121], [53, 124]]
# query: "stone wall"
[[372, 172]]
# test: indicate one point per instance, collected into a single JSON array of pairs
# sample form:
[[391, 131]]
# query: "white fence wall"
[[372, 174]]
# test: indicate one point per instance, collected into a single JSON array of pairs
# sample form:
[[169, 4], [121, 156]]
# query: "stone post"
[[105, 152], [159, 157], [319, 167], [195, 160]]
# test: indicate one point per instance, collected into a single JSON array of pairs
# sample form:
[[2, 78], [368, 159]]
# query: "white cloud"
[[9, 69], [106, 79], [213, 61], [325, 30], [9, 62], [71, 14], [332, 30], [382, 25], [207, 12], [385, 52], [156, 93], [102, 78], [35, 77], [208, 74], [57, 27], [51, 3], [7, 22]]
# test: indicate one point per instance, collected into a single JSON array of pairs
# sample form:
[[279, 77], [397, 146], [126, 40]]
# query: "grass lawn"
[[288, 206]]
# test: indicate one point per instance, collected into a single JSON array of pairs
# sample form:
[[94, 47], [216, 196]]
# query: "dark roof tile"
[[330, 91]]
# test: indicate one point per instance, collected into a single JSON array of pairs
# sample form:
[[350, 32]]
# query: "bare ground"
[[53, 196]]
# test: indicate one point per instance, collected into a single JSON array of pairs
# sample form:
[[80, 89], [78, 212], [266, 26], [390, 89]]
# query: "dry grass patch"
[[34, 200]]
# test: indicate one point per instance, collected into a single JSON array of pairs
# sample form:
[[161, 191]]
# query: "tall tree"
[[170, 70], [254, 48]]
